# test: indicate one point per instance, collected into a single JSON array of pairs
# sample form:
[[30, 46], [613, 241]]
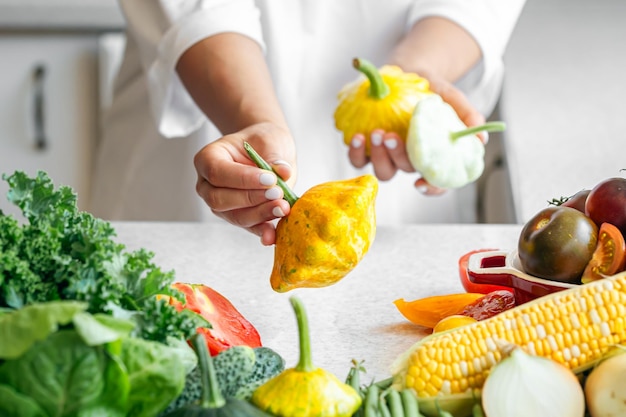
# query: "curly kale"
[[57, 252]]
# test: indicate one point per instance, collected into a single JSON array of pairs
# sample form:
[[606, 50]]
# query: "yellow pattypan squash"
[[306, 390], [329, 230], [384, 99], [327, 233]]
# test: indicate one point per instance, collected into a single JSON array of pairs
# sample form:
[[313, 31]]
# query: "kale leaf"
[[57, 252]]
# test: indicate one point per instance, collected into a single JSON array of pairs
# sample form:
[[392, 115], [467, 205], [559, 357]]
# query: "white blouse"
[[309, 47]]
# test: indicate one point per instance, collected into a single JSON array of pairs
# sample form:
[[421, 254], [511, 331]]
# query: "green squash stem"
[[211, 395], [305, 363], [288, 193], [378, 89], [487, 127]]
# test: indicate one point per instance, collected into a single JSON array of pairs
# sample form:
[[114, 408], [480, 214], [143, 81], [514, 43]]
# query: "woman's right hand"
[[236, 189]]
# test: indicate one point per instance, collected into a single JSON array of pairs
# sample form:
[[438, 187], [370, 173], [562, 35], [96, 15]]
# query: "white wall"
[[565, 99]]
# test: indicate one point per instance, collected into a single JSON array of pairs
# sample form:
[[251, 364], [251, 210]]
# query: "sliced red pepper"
[[228, 326], [472, 286]]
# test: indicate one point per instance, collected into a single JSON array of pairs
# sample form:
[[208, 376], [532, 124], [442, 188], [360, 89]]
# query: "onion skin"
[[524, 385], [605, 388]]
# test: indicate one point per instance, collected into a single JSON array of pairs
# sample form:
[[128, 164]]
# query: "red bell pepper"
[[228, 326], [474, 287]]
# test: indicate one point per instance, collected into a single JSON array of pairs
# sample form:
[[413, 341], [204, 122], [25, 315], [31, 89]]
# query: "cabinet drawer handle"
[[39, 74]]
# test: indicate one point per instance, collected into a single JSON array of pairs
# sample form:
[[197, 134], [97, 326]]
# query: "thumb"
[[283, 169]]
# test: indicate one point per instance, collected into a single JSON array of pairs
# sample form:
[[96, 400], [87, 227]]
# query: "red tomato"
[[609, 257], [606, 203], [228, 326], [472, 286]]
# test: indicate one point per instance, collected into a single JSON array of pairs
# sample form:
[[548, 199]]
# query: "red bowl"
[[504, 268]]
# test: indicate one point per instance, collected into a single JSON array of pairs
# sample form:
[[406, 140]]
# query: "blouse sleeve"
[[163, 30], [491, 23]]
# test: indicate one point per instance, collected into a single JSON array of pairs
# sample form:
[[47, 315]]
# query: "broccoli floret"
[[240, 370]]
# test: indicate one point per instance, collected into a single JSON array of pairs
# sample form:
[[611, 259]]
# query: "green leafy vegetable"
[[61, 373], [30, 324], [17, 405], [61, 253], [65, 371]]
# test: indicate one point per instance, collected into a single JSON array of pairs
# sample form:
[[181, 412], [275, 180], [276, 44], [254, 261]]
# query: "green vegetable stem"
[[380, 398], [288, 193], [486, 127], [378, 89], [212, 403]]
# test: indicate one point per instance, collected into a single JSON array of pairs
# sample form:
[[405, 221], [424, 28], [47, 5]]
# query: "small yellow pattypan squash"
[[329, 230], [306, 390], [384, 99]]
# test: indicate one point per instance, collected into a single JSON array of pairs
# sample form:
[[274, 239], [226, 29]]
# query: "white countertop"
[[353, 319]]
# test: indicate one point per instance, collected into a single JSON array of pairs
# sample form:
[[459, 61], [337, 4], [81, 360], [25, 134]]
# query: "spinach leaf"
[[63, 375], [15, 404], [22, 328], [155, 374], [99, 329]]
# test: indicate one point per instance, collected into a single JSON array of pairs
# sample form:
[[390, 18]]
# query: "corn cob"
[[575, 327]]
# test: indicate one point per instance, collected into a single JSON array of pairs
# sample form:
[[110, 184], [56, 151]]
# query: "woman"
[[218, 72]]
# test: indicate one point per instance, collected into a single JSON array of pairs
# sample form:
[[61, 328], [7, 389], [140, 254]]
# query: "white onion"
[[523, 385]]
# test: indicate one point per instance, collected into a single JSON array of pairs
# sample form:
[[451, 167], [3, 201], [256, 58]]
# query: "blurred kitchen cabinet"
[[49, 107]]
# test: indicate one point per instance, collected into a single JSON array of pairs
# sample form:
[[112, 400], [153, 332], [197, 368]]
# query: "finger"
[[267, 232], [384, 168], [224, 199], [427, 189], [224, 169], [396, 148], [284, 170], [357, 151], [250, 217], [461, 104]]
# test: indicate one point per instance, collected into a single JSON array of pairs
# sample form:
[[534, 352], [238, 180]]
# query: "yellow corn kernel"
[[575, 327]]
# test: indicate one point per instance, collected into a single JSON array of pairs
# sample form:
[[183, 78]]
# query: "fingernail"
[[267, 179], [281, 162], [273, 193], [422, 189], [391, 144], [486, 137], [376, 138], [278, 212], [356, 143]]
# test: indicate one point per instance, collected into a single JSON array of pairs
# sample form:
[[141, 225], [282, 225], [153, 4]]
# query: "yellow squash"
[[329, 230], [306, 390], [384, 99]]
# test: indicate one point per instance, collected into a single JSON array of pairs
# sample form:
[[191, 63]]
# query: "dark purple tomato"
[[606, 203], [557, 243], [577, 201]]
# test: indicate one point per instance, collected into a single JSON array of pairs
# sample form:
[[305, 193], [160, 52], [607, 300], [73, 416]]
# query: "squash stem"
[[305, 364], [378, 88], [487, 127], [288, 193], [211, 395]]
